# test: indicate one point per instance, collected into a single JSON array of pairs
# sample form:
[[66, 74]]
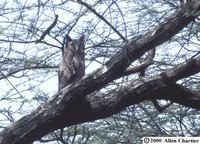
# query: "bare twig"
[[101, 17], [144, 64], [160, 108], [48, 29]]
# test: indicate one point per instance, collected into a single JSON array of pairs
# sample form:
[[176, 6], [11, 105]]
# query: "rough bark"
[[77, 103]]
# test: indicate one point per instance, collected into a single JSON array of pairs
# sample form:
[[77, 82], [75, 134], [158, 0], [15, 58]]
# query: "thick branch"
[[182, 70]]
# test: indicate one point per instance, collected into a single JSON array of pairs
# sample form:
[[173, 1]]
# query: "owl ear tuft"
[[82, 38], [68, 39]]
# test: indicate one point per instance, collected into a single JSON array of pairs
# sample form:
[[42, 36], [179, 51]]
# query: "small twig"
[[157, 106], [48, 29], [160, 108], [141, 68], [101, 17], [75, 133], [26, 100]]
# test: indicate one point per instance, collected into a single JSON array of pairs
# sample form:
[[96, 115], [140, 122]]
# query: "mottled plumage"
[[72, 66]]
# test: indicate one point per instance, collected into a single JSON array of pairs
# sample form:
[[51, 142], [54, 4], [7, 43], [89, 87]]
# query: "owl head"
[[75, 44]]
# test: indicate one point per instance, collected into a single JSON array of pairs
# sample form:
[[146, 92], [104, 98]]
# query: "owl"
[[72, 66]]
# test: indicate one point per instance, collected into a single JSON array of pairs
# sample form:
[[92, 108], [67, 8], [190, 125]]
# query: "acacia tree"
[[145, 51]]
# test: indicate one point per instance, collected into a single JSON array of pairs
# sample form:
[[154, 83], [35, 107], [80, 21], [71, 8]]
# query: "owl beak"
[[76, 47]]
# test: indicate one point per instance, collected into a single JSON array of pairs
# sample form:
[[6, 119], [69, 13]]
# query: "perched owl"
[[72, 66]]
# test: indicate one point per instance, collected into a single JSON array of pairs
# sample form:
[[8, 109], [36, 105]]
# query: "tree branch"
[[48, 29], [144, 64], [101, 17], [66, 108]]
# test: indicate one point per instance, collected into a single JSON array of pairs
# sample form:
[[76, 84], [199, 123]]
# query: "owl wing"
[[63, 75], [66, 70], [60, 75]]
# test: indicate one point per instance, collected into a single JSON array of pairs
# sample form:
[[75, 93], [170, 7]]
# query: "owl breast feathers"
[[72, 66]]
